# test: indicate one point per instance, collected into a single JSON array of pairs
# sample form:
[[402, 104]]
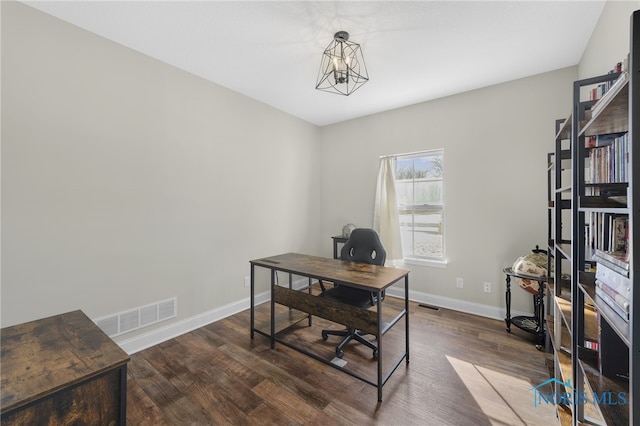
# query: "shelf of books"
[[604, 341], [594, 318]]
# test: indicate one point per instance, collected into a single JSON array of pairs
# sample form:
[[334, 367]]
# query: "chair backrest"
[[364, 246]]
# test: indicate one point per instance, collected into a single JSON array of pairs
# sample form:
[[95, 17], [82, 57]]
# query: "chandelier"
[[342, 70]]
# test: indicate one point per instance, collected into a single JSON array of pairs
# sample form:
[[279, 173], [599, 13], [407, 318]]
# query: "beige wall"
[[495, 141], [495, 144], [126, 181], [609, 43]]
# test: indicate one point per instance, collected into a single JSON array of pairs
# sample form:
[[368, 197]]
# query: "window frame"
[[437, 261]]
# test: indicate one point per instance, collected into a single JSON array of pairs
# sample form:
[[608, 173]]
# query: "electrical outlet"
[[459, 283], [247, 281], [487, 287]]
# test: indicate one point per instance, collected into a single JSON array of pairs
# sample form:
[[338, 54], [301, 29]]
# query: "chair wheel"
[[325, 336], [339, 353]]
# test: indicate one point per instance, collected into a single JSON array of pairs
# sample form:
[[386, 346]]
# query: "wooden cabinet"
[[595, 187], [61, 370]]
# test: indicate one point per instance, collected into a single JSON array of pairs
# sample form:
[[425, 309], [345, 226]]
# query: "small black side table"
[[531, 324], [338, 240]]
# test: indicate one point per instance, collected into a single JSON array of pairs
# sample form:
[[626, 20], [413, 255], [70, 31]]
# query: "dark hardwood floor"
[[463, 370]]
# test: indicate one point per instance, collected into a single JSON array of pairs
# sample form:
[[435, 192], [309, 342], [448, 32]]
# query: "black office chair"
[[363, 246]]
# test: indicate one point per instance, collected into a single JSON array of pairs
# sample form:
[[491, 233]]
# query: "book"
[[607, 300], [603, 99], [619, 229], [616, 281], [621, 301], [617, 269], [619, 258], [616, 260], [590, 344], [608, 159]]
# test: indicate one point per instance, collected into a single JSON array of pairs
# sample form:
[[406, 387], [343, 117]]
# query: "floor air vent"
[[435, 308], [124, 322]]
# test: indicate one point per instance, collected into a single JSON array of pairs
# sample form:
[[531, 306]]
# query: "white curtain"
[[385, 213]]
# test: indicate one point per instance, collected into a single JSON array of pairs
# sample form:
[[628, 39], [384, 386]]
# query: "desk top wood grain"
[[40, 357], [363, 275]]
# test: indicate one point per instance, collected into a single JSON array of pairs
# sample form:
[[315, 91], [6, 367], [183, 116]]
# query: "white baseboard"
[[487, 311], [159, 335]]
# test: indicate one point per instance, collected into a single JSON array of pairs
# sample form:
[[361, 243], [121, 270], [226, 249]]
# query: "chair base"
[[349, 334]]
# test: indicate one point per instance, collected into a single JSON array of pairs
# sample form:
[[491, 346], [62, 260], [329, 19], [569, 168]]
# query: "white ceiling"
[[414, 50]]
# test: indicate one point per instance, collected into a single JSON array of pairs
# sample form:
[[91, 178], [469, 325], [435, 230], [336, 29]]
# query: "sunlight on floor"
[[506, 400]]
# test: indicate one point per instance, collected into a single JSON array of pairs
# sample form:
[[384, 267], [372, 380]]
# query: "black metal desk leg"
[[252, 300], [310, 292], [379, 339], [508, 297], [406, 314], [273, 309]]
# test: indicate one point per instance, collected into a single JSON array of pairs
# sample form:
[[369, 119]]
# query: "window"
[[420, 195]]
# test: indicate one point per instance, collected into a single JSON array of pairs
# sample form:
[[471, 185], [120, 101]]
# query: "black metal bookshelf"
[[595, 348]]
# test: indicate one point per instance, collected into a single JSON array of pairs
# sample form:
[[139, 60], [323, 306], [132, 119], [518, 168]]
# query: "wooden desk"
[[359, 275], [62, 370]]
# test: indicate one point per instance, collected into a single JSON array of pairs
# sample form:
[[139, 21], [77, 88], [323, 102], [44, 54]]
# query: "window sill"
[[427, 262]]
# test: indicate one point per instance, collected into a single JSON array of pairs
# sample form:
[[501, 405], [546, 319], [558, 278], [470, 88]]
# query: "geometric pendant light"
[[342, 70]]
